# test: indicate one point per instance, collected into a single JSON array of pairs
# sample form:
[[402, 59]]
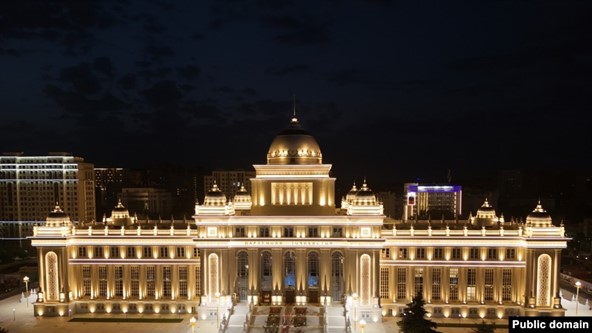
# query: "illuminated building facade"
[[287, 243], [432, 201], [229, 181], [30, 186]]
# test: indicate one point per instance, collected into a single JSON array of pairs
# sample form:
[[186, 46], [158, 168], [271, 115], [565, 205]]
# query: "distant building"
[[389, 203], [432, 201], [229, 181], [108, 184], [147, 201], [30, 186]]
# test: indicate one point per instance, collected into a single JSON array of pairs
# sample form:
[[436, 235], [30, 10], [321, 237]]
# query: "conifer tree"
[[414, 318], [484, 328]]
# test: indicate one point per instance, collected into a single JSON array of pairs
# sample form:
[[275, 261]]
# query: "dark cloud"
[[163, 94], [285, 70], [127, 82], [82, 78], [153, 27], [198, 36], [346, 77], [13, 52], [75, 102], [188, 72], [157, 73], [204, 110], [103, 65], [159, 51]]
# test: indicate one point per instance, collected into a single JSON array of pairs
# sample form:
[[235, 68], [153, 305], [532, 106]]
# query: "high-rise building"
[[229, 181], [32, 185], [425, 201], [287, 244]]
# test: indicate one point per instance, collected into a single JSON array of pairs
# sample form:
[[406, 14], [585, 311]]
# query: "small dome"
[[57, 213], [486, 211], [294, 145], [120, 208], [351, 195], [242, 195], [539, 217], [57, 218], [365, 196], [215, 197]]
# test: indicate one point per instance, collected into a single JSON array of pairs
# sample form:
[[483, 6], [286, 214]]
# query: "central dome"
[[294, 145]]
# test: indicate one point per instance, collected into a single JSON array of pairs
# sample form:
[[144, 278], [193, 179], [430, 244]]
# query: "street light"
[[362, 324], [26, 280], [192, 322], [217, 294], [578, 285]]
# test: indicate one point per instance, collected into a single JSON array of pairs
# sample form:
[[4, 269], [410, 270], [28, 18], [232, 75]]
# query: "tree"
[[484, 328], [414, 318], [3, 330]]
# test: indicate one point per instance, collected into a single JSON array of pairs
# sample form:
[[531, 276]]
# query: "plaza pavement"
[[16, 315]]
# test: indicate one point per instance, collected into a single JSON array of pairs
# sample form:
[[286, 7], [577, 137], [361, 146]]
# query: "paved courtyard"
[[16, 315]]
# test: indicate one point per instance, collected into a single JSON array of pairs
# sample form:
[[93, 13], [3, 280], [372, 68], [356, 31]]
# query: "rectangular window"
[[118, 281], [98, 252], [507, 284], [386, 253], [263, 231], [150, 283], [135, 281], [456, 253], [239, 232], [488, 284], [471, 284], [438, 253], [474, 254], [384, 282], [183, 281], [288, 231], [402, 253], [313, 232], [147, 252], [436, 289], [510, 254], [453, 282], [164, 252], [103, 281], [418, 288], [86, 281], [420, 253], [166, 281], [337, 232], [197, 281], [82, 252], [195, 252], [401, 283], [492, 254], [131, 252], [114, 252], [180, 252]]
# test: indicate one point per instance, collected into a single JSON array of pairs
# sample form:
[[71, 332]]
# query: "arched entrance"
[[290, 277], [242, 268], [313, 277], [266, 277], [337, 282]]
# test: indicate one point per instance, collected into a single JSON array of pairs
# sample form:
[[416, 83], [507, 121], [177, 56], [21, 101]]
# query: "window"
[[453, 281], [263, 231], [510, 254], [114, 252], [131, 252], [288, 231], [98, 252], [150, 277], [418, 280], [197, 281], [471, 284], [180, 252], [147, 252], [455, 253], [164, 252], [436, 290], [488, 284], [420, 253], [195, 252], [384, 282], [492, 254], [82, 252], [239, 232], [474, 254], [386, 253], [401, 283], [402, 253], [438, 253], [183, 281], [313, 269], [507, 284], [118, 281], [166, 281], [337, 232], [313, 232], [102, 281], [86, 289]]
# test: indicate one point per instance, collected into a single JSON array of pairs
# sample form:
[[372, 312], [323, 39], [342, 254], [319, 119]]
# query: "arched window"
[[243, 263], [365, 279], [214, 285], [337, 282], [290, 270], [51, 265], [266, 271]]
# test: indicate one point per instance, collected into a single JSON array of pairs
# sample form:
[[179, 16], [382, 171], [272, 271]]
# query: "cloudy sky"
[[392, 90]]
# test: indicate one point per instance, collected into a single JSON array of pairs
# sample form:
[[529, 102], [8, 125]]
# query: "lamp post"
[[192, 322], [362, 324], [217, 294], [578, 285], [26, 281]]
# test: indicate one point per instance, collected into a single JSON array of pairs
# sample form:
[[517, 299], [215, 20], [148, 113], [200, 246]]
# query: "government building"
[[287, 243]]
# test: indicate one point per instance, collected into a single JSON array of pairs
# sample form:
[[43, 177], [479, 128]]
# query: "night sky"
[[392, 90]]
